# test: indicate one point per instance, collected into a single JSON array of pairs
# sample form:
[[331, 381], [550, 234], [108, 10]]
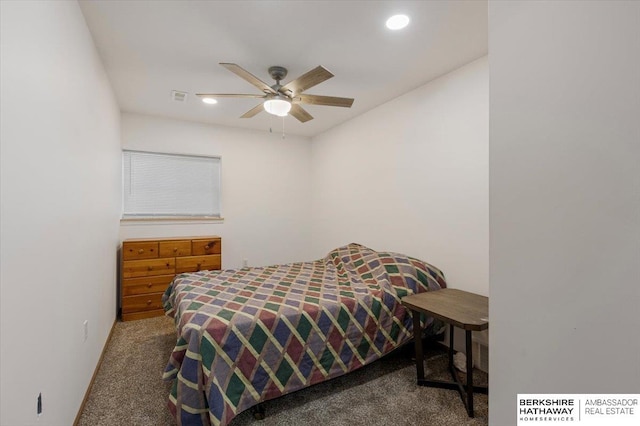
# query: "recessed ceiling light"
[[209, 101], [397, 22]]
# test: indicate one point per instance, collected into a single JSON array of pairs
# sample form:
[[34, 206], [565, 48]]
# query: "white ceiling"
[[150, 48]]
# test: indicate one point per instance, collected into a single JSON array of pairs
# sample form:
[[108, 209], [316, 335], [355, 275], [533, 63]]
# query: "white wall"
[[60, 175], [565, 199], [412, 176], [265, 187]]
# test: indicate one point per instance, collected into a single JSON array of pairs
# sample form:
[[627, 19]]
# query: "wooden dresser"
[[149, 265]]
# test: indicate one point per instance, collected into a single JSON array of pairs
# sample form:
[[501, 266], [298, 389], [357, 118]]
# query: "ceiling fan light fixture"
[[210, 101], [397, 22], [277, 106]]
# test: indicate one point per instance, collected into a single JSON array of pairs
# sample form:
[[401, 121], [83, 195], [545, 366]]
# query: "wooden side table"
[[458, 308]]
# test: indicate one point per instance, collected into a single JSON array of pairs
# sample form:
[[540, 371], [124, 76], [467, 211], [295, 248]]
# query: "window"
[[170, 185]]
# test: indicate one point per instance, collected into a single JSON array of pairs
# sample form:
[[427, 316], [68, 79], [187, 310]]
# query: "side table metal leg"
[[451, 328], [417, 337], [469, 373]]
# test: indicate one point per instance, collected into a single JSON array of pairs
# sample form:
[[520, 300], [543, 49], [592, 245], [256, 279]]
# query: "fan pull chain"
[[270, 123], [282, 127]]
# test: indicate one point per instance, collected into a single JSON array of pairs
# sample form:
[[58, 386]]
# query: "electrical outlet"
[[85, 330], [39, 405]]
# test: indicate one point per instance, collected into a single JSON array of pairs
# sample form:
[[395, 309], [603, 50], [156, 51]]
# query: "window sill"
[[169, 220]]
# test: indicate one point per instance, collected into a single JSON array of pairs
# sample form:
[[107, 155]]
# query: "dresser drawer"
[[144, 285], [145, 302], [206, 246], [147, 268], [175, 248], [140, 250], [197, 263]]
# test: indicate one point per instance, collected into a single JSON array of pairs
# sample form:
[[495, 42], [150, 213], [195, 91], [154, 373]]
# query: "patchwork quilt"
[[253, 334]]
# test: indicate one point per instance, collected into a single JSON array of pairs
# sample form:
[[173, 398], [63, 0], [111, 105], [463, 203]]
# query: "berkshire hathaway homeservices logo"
[[582, 409], [546, 409]]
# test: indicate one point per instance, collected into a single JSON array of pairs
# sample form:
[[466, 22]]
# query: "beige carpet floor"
[[129, 391]]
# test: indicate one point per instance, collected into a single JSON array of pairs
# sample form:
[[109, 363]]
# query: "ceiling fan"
[[285, 99]]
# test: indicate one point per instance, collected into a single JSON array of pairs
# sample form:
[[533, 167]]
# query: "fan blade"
[[227, 95], [300, 113], [253, 111], [324, 100], [242, 73], [306, 81]]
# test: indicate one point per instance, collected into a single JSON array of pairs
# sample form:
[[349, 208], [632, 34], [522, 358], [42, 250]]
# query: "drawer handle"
[[207, 247], [140, 251], [175, 249], [150, 268], [148, 302], [149, 285], [168, 265]]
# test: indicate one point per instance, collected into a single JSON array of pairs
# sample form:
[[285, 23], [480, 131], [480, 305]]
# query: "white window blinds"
[[170, 185]]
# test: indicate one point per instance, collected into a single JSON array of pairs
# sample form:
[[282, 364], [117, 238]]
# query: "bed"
[[248, 335]]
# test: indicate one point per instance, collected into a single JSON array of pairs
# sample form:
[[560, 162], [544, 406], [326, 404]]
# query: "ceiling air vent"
[[178, 96]]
